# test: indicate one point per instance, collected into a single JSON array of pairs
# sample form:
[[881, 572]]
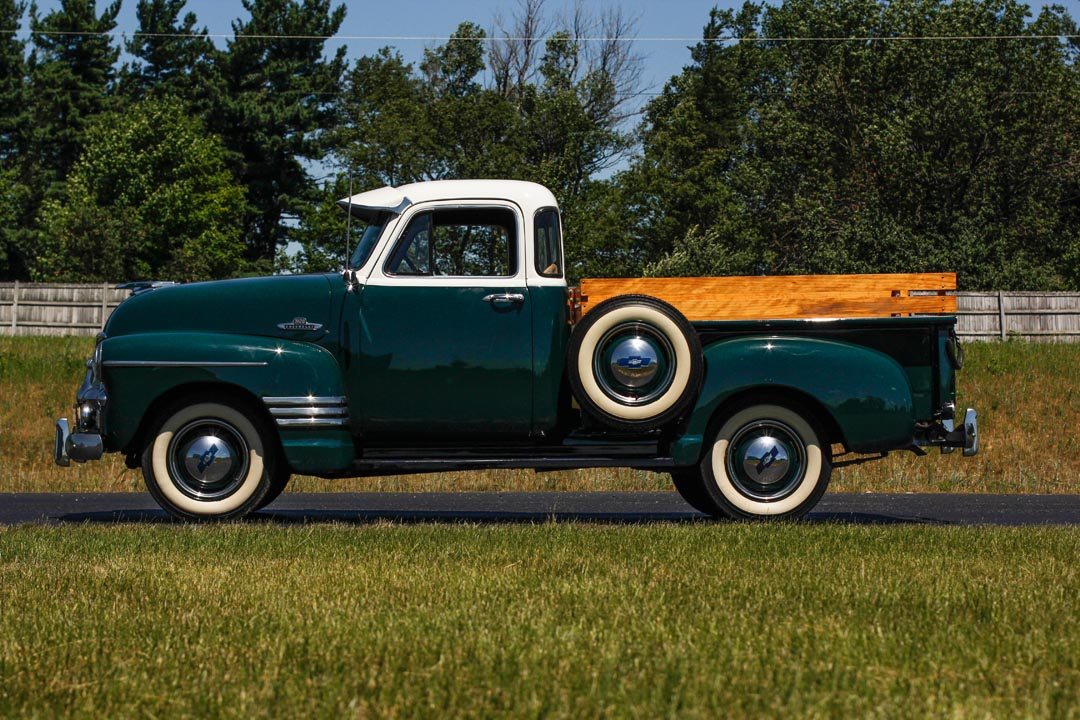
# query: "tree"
[[276, 110], [172, 55], [13, 124], [869, 156], [553, 118], [151, 198], [71, 69], [12, 79]]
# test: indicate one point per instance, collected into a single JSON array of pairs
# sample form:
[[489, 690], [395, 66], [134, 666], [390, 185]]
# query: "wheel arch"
[[217, 391], [792, 398], [860, 397]]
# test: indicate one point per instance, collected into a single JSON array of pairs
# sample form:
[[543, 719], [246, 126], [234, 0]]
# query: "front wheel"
[[207, 461], [766, 462]]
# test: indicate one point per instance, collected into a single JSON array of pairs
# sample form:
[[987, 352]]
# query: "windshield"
[[370, 236]]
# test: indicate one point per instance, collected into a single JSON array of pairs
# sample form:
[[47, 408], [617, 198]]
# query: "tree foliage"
[[869, 156], [277, 109], [553, 116], [71, 70], [861, 150], [151, 197], [171, 56]]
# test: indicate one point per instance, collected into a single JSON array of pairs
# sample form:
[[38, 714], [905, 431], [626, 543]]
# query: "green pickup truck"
[[452, 342]]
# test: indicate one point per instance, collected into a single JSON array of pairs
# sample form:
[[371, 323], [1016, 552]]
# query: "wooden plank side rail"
[[781, 297]]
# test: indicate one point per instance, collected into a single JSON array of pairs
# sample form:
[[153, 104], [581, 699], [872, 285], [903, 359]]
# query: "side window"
[[548, 243], [458, 242], [412, 256]]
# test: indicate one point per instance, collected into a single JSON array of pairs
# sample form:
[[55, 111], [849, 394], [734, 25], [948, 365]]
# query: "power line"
[[433, 38]]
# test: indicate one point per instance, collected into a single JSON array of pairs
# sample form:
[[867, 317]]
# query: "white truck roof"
[[528, 195]]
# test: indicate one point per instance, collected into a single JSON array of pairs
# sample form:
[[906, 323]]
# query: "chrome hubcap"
[[634, 363], [208, 459], [766, 460]]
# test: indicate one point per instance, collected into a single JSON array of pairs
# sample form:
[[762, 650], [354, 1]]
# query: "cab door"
[[445, 346]]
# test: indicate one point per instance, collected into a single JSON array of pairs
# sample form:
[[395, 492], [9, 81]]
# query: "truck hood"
[[287, 306]]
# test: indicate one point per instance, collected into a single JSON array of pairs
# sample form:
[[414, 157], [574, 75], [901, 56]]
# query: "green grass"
[[562, 620], [1028, 397]]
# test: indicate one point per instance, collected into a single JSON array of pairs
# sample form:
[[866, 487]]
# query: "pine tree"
[[277, 107], [172, 55], [71, 71], [12, 135], [12, 79]]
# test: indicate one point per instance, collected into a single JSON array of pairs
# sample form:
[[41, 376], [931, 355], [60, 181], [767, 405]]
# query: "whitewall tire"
[[634, 363], [766, 462], [208, 460]]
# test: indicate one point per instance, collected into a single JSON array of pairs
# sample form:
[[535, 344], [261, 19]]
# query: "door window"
[[457, 242]]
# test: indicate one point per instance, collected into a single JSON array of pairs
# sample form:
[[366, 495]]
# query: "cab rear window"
[[548, 240]]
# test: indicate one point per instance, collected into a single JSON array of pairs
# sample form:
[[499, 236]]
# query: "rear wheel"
[[634, 363], [767, 462], [207, 460]]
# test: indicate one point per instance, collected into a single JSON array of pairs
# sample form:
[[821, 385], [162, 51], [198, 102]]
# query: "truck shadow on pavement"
[[451, 517]]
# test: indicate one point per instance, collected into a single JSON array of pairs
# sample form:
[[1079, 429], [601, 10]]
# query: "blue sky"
[[434, 18], [431, 18]]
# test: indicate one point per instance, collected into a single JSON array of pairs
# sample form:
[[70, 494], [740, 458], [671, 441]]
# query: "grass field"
[[1028, 397], [555, 620]]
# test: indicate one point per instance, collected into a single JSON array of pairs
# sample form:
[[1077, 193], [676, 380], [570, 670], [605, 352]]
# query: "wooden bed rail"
[[776, 297]]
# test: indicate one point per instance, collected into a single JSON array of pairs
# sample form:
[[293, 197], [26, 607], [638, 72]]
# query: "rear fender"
[[141, 369], [865, 392]]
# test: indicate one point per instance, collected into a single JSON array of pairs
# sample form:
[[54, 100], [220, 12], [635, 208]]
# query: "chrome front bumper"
[[79, 447], [86, 442]]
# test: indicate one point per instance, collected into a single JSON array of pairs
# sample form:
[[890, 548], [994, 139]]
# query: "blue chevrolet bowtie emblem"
[[634, 361], [207, 458], [767, 459]]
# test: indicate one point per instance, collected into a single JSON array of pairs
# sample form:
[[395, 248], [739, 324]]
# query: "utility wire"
[[429, 38]]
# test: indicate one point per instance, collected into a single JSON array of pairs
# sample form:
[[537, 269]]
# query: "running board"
[[416, 465]]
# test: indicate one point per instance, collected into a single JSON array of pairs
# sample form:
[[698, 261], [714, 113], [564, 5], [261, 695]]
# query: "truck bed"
[[769, 297]]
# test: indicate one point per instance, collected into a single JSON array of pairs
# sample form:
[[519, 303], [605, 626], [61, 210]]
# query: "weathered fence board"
[[69, 309]]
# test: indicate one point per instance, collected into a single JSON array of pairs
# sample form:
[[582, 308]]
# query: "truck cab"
[[458, 311], [451, 341]]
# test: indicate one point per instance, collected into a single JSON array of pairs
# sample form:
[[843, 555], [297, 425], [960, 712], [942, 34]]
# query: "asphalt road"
[[937, 509]]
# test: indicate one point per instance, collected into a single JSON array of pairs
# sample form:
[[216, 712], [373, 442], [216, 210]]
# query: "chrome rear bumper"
[[966, 436]]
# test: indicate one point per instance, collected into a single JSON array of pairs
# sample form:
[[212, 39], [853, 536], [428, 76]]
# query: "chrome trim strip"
[[305, 400], [308, 411], [182, 363], [312, 422]]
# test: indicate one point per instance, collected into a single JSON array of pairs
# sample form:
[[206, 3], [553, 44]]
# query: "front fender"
[[865, 391], [141, 368]]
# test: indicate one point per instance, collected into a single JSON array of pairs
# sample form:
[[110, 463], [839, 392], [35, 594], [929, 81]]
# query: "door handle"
[[504, 297]]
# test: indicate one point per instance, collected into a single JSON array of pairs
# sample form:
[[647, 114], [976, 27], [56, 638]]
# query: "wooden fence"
[[48, 309], [56, 309], [1046, 316]]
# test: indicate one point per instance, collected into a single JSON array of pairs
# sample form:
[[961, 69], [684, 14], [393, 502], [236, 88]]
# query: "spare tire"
[[634, 363]]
